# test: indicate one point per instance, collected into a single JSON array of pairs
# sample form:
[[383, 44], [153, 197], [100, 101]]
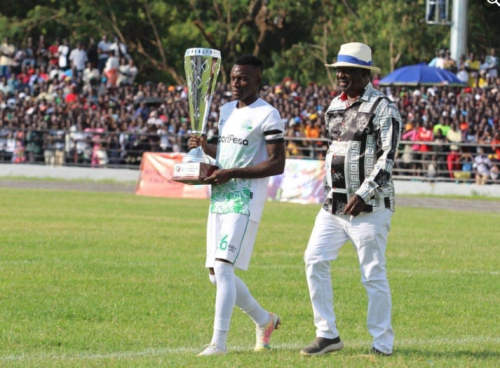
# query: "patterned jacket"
[[363, 140]]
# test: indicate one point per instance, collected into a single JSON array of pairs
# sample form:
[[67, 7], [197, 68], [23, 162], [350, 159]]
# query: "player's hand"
[[354, 206], [219, 177], [196, 141]]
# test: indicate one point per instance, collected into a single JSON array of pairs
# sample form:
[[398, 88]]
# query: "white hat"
[[355, 55]]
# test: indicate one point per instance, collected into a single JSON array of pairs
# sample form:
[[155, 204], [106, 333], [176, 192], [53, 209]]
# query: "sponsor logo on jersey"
[[232, 248], [247, 124], [233, 139]]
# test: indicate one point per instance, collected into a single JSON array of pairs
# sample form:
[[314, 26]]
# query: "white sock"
[[224, 301], [249, 305], [219, 339]]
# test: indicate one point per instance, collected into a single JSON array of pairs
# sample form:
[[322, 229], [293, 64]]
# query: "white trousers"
[[368, 232]]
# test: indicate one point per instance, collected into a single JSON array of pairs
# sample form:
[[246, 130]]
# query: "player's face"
[[351, 80], [245, 80]]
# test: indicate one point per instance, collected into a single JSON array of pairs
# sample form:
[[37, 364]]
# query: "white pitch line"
[[193, 350]]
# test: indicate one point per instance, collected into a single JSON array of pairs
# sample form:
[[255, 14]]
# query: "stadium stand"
[[82, 107]]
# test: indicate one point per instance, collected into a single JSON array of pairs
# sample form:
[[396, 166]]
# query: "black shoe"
[[378, 352], [322, 346]]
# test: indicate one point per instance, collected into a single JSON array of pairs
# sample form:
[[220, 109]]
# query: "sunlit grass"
[[116, 280]]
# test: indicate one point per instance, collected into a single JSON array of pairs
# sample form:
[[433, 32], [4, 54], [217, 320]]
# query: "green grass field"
[[116, 280]]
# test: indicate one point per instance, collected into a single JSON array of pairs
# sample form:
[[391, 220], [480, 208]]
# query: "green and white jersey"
[[243, 135]]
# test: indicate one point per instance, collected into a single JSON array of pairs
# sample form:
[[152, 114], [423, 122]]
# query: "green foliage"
[[294, 38]]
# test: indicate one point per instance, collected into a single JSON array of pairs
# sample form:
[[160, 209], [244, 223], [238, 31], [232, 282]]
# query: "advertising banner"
[[302, 181], [155, 178]]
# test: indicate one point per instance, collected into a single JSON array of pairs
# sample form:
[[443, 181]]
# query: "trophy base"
[[193, 173]]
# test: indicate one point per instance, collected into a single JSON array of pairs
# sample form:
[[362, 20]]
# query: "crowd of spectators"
[[474, 72], [54, 110]]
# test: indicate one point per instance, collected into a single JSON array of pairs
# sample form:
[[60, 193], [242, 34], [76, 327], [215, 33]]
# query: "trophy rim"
[[202, 51]]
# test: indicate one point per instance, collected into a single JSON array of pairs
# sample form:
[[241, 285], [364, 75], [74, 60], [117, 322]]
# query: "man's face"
[[351, 79], [245, 80]]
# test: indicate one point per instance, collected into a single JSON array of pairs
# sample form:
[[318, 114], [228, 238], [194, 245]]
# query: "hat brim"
[[351, 65]]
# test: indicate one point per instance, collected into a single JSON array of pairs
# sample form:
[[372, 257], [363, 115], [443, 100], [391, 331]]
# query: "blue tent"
[[420, 75]]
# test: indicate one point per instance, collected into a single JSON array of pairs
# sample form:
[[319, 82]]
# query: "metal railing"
[[92, 148], [89, 148], [443, 162]]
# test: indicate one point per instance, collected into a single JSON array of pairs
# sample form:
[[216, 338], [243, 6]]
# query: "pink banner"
[[302, 181], [155, 180]]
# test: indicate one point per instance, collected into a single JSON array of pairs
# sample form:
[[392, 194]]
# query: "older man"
[[364, 129]]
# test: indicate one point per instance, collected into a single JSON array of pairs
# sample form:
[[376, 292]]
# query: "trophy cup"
[[202, 68]]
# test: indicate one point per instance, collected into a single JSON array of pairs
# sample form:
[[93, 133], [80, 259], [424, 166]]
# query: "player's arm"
[[274, 165], [389, 133], [195, 141]]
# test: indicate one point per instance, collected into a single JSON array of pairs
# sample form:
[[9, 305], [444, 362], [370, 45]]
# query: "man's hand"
[[354, 206], [219, 177], [196, 141]]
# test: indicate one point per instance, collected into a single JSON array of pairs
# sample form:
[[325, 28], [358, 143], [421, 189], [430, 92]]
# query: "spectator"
[[119, 49], [472, 66], [90, 77], [440, 62], [7, 51], [424, 134], [42, 53], [103, 51], [434, 61], [29, 54], [17, 60], [49, 151], [449, 63], [416, 157], [4, 86], [92, 53], [34, 144], [111, 70], [454, 135], [63, 52], [495, 146], [78, 58], [484, 168], [463, 75], [127, 73], [72, 96], [58, 138], [442, 126], [491, 62], [54, 53]]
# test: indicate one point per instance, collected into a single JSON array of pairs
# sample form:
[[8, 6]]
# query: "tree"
[[294, 38]]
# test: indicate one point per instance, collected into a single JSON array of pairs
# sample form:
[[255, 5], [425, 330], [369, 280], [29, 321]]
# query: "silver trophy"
[[202, 68]]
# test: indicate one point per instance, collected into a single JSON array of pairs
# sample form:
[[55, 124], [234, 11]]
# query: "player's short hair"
[[250, 60]]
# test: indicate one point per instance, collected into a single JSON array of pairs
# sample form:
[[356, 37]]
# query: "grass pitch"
[[115, 280]]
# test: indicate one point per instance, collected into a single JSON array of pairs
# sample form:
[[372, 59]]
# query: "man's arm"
[[389, 135], [274, 165]]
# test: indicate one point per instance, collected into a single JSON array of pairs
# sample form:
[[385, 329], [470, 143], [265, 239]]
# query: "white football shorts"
[[230, 236]]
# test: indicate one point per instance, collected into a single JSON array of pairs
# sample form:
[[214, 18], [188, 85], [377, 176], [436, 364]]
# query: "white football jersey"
[[243, 135]]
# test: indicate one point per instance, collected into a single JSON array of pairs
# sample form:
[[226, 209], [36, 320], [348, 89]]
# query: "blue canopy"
[[420, 75]]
